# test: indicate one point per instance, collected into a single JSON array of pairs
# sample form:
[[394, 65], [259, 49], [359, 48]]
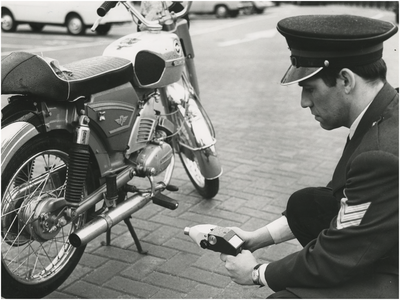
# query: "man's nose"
[[305, 101]]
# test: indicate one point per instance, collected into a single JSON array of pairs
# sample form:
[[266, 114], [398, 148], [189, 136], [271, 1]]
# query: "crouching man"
[[349, 229]]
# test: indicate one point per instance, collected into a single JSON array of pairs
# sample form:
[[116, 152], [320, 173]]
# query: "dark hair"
[[371, 72]]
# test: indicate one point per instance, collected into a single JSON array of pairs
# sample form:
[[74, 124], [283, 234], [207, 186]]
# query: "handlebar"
[[150, 25], [105, 8]]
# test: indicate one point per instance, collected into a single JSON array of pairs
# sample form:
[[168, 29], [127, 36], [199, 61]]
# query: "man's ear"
[[348, 79]]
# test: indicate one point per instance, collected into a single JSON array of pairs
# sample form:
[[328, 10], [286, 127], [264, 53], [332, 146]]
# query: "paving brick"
[[60, 295], [170, 221], [131, 287], [232, 204], [143, 267], [162, 234], [79, 272], [143, 225], [168, 294], [206, 277], [156, 250], [184, 243], [209, 261], [105, 272], [194, 218], [171, 282], [87, 290], [223, 214], [116, 253], [203, 292], [91, 260], [178, 263]]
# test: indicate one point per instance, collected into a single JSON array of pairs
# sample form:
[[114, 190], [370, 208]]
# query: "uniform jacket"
[[357, 256]]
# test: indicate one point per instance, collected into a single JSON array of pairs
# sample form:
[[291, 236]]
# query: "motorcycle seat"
[[30, 74]]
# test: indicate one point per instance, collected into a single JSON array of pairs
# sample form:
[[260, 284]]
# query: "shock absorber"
[[78, 162]]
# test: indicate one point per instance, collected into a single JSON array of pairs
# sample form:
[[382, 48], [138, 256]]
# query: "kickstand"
[[133, 234], [131, 230]]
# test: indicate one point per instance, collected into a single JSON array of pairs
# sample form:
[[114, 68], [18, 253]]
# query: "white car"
[[221, 9], [260, 6], [76, 16]]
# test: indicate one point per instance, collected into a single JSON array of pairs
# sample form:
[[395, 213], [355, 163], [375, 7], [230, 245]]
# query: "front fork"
[[198, 135]]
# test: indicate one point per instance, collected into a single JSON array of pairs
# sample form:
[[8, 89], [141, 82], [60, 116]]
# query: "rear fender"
[[13, 136], [61, 116]]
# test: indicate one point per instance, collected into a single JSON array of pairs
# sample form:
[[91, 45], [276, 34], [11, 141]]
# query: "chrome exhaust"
[[107, 220]]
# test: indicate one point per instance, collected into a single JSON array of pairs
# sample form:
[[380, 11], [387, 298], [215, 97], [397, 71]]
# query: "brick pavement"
[[268, 147]]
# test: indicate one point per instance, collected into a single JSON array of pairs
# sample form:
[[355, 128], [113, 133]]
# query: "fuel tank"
[[157, 57]]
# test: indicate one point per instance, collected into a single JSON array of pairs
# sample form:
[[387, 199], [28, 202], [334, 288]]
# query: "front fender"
[[202, 140], [13, 136]]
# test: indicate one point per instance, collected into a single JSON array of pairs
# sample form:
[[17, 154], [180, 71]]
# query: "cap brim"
[[295, 75]]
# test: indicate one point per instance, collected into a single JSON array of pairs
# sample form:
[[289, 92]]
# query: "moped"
[[86, 144]]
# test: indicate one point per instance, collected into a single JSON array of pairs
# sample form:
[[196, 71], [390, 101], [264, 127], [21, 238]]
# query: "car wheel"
[[221, 11], [36, 27], [103, 29], [75, 25], [8, 23]]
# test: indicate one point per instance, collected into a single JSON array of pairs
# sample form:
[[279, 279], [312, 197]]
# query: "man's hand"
[[256, 239], [246, 236], [240, 267]]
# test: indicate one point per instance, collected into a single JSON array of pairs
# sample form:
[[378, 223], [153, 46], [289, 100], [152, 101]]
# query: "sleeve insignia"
[[350, 215]]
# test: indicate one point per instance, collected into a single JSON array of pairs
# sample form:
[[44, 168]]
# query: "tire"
[[36, 27], [44, 258], [206, 188], [75, 25], [103, 29], [221, 12], [8, 23]]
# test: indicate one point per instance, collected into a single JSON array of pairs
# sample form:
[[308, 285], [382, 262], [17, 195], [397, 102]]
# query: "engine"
[[152, 159]]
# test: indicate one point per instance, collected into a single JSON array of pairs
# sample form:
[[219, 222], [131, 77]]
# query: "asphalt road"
[[268, 145]]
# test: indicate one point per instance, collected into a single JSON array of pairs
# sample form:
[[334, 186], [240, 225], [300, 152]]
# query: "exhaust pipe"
[[107, 220]]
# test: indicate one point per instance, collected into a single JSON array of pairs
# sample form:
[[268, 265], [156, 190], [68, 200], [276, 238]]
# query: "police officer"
[[349, 229]]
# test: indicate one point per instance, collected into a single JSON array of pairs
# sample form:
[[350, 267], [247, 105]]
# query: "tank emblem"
[[177, 46], [127, 42], [121, 120]]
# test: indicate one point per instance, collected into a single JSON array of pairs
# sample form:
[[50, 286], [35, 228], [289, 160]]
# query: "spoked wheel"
[[206, 188], [36, 256]]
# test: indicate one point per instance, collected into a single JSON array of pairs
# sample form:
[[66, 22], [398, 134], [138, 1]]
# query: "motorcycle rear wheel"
[[35, 261]]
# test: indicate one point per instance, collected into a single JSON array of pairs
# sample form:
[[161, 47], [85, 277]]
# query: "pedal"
[[172, 188], [165, 201]]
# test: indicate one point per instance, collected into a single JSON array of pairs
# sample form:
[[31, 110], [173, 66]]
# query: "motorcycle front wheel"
[[36, 256], [205, 187]]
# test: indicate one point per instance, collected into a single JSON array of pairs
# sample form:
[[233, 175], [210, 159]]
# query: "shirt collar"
[[354, 126]]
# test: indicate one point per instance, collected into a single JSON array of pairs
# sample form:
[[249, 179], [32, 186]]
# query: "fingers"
[[245, 252], [223, 257]]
